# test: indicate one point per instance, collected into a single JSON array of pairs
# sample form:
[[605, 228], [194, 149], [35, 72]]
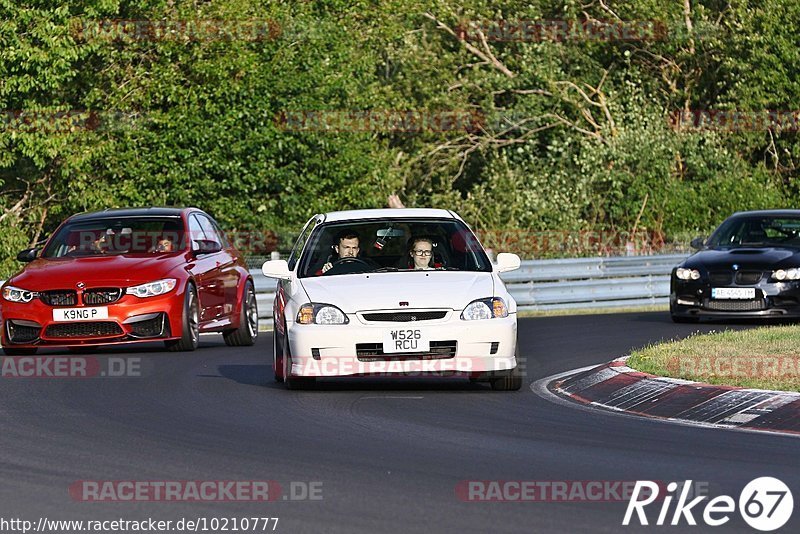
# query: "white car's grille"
[[373, 352], [405, 316]]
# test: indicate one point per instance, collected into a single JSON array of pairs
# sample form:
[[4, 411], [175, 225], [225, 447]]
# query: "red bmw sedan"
[[129, 275]]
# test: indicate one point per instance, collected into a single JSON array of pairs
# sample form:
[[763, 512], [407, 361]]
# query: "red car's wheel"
[[246, 334], [190, 336]]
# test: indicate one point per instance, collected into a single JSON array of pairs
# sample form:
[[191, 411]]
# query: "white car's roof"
[[389, 213]]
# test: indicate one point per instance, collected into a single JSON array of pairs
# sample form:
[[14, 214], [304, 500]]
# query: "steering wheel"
[[341, 265]]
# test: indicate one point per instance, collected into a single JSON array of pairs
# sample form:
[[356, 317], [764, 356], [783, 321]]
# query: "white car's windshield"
[[393, 245]]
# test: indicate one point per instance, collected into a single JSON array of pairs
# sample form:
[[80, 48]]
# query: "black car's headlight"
[[687, 274], [488, 308], [16, 294], [786, 274], [317, 313]]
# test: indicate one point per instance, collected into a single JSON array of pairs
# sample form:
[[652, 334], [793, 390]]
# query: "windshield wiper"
[[386, 270]]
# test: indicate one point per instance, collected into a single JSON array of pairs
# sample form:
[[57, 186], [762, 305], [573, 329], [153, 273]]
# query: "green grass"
[[761, 358]]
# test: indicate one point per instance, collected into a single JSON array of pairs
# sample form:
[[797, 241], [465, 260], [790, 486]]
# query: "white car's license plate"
[[62, 315], [733, 293], [405, 340]]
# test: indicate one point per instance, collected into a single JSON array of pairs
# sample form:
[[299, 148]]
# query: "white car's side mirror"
[[276, 269], [507, 261]]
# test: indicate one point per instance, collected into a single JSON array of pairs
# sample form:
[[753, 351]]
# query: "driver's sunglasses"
[[423, 253]]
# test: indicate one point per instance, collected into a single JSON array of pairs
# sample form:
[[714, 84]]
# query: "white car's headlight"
[[687, 274], [321, 314], [787, 274], [152, 289], [15, 294], [487, 308]]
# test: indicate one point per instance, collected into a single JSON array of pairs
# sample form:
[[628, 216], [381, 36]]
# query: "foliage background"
[[578, 139]]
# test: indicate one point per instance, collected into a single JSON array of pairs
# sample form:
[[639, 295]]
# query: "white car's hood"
[[385, 291]]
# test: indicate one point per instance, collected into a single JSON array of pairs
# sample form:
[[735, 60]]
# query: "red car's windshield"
[[117, 236]]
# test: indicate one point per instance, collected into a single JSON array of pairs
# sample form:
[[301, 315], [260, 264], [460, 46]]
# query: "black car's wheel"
[[190, 335], [246, 334], [12, 351], [510, 380], [291, 381]]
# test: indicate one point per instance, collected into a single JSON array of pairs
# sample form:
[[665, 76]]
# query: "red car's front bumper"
[[130, 319]]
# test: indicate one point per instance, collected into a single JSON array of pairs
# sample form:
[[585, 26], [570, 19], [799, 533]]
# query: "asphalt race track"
[[388, 454]]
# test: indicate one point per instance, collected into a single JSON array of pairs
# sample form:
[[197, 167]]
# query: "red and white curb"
[[615, 386]]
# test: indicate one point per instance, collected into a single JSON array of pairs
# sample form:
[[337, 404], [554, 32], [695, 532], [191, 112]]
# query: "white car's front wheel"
[[510, 380], [292, 381]]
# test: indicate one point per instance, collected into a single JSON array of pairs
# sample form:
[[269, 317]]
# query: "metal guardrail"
[[564, 284]]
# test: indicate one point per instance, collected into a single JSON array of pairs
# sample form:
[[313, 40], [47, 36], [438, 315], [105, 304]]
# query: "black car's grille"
[[736, 305], [720, 277], [744, 278], [59, 297], [373, 352], [405, 316], [105, 295], [18, 333], [88, 329], [748, 277]]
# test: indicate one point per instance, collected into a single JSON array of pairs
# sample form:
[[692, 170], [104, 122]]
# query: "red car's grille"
[[88, 329], [105, 295], [59, 297]]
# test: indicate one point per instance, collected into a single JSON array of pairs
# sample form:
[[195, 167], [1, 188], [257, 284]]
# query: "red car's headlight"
[[15, 294], [153, 289]]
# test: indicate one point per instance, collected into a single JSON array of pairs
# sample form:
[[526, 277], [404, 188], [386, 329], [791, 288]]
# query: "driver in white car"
[[347, 247]]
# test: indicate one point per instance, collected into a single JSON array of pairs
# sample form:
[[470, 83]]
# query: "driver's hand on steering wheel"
[[326, 267]]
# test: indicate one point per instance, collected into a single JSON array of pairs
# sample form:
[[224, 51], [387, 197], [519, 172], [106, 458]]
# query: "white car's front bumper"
[[333, 350]]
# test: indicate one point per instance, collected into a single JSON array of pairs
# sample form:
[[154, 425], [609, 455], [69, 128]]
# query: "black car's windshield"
[[117, 236], [396, 245], [757, 231]]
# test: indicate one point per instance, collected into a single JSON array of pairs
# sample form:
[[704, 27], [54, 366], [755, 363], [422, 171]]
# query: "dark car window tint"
[[195, 230], [220, 234], [117, 236], [208, 229], [761, 231]]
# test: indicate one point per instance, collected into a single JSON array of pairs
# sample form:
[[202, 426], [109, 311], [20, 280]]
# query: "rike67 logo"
[[765, 504]]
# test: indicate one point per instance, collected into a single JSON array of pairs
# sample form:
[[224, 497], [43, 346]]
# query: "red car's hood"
[[96, 271]]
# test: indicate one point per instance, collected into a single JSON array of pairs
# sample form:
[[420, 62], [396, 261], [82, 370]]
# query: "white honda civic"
[[393, 292]]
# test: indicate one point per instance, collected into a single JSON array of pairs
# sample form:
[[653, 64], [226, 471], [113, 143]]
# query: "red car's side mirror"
[[27, 255]]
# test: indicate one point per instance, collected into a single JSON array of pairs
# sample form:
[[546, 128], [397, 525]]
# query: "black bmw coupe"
[[749, 267]]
